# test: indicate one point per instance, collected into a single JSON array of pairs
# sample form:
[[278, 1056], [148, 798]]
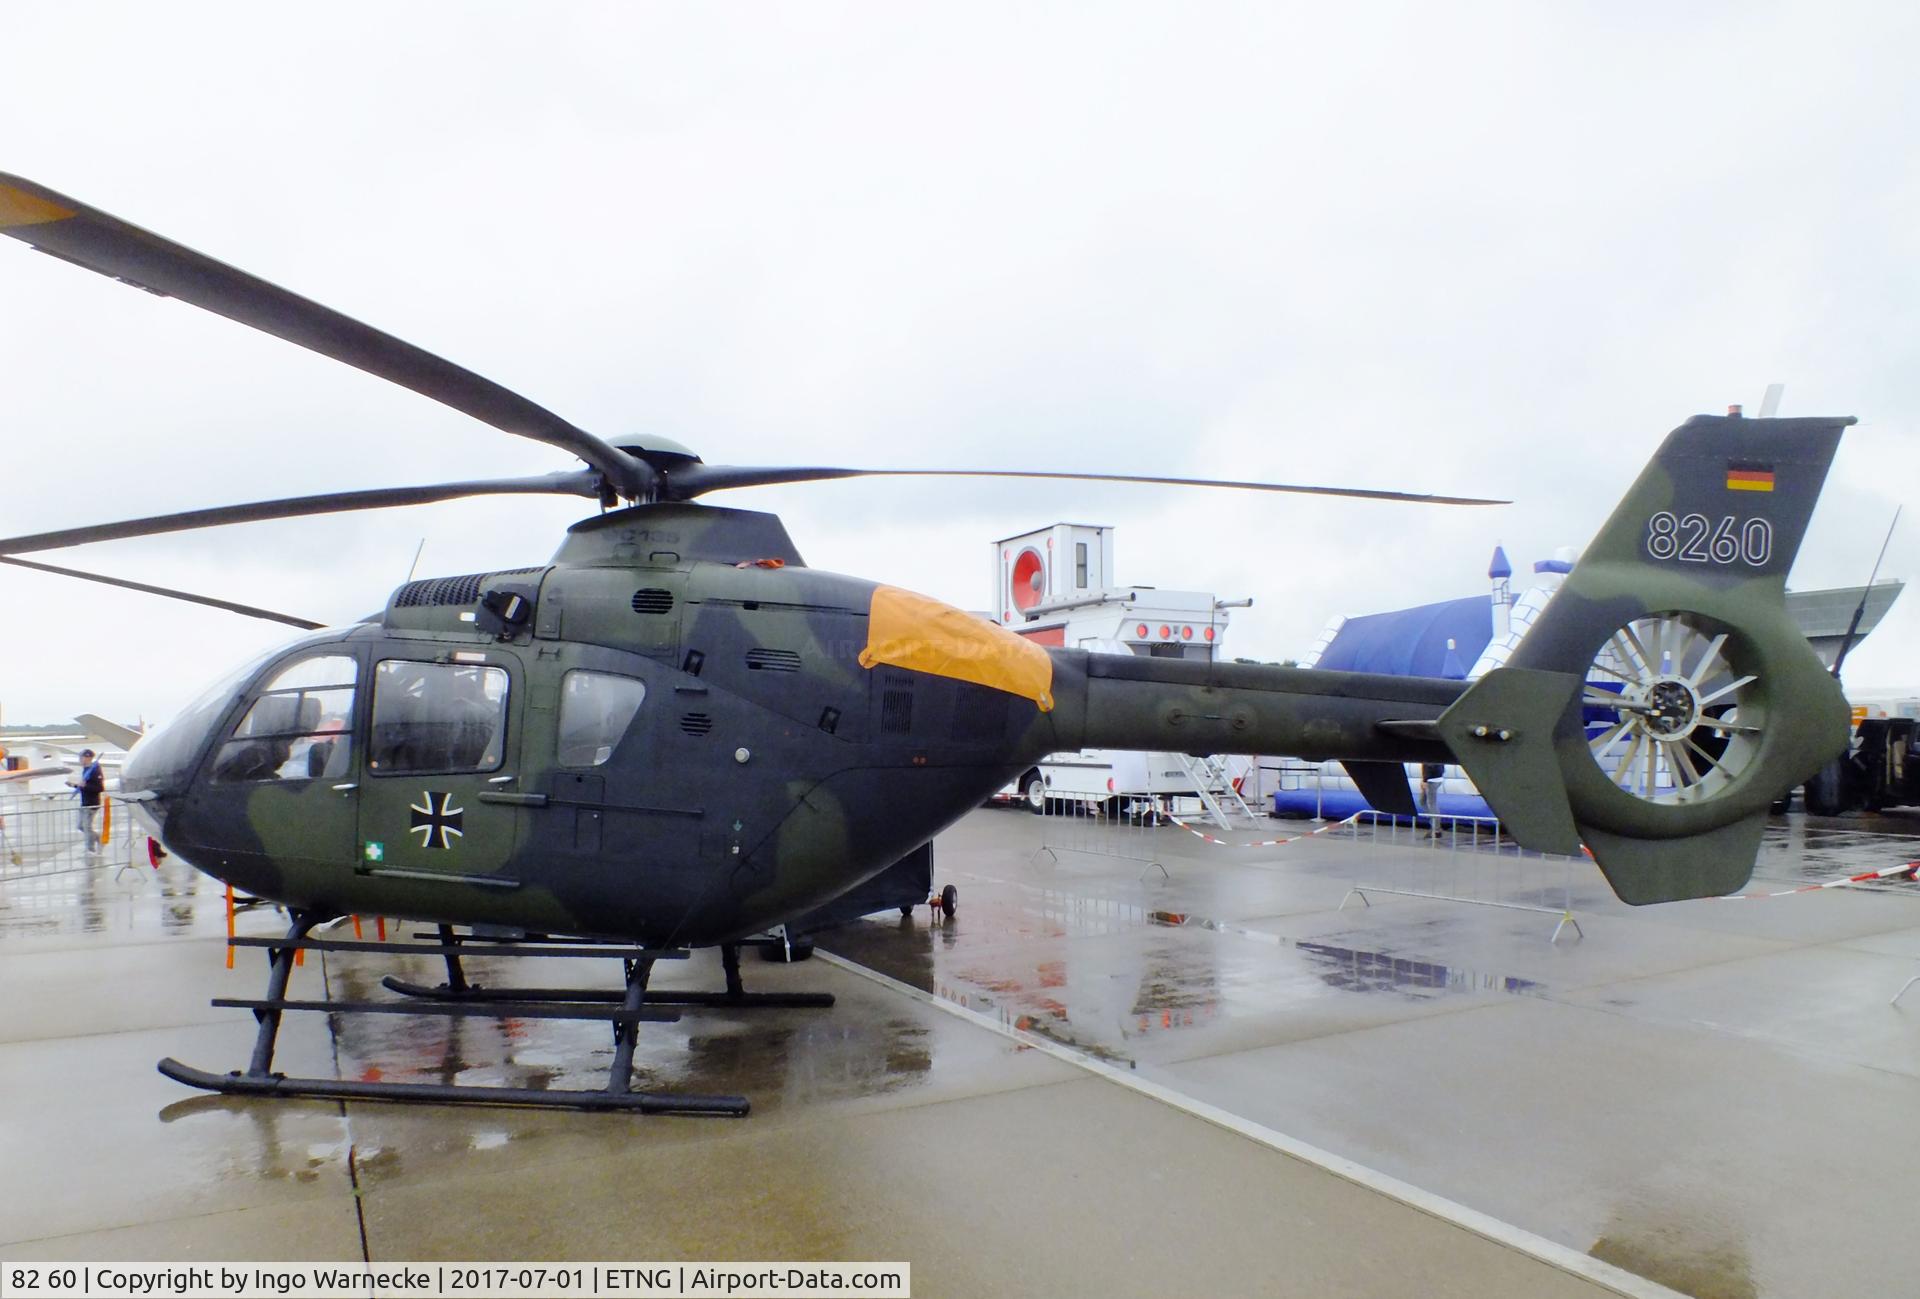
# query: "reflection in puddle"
[[771, 1055], [1099, 975], [1357, 971], [304, 1144], [1353, 970], [70, 897], [1050, 1021]]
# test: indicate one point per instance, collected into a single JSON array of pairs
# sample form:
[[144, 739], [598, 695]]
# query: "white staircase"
[[1213, 779]]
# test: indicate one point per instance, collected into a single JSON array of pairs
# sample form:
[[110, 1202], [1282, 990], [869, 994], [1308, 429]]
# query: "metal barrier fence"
[[1102, 830], [40, 835], [1469, 859], [1481, 868]]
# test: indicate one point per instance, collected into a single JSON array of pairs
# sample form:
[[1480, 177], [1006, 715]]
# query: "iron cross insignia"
[[436, 820]]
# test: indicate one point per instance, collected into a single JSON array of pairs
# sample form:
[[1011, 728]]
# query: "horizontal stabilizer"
[[1501, 731]]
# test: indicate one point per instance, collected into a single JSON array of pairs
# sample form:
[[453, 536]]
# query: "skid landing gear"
[[632, 1011], [458, 989]]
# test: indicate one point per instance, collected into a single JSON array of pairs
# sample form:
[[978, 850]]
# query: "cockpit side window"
[[436, 717], [595, 710], [298, 728]]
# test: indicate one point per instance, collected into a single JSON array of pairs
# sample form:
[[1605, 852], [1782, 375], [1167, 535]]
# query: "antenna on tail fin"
[[1866, 593]]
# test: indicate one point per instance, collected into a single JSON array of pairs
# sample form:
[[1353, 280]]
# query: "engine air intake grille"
[[696, 723], [464, 589], [772, 660], [651, 599]]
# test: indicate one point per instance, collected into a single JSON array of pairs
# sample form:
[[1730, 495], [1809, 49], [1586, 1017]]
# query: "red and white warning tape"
[[1886, 872], [1260, 843], [1907, 870]]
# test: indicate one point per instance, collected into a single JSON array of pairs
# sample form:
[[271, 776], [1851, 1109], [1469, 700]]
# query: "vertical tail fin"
[[1683, 698]]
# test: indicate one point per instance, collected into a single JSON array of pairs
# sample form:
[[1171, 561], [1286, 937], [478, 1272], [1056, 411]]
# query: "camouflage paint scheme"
[[767, 772]]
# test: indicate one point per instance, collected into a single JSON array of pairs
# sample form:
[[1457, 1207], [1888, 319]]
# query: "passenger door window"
[[436, 717], [595, 710]]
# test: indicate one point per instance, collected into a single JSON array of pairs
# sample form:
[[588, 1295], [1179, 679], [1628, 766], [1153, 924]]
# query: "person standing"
[[91, 784], [1432, 776]]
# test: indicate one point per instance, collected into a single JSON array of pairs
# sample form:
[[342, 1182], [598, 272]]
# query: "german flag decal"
[[1743, 476]]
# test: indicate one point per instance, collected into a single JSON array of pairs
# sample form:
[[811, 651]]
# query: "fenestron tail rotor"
[[1676, 721], [1666, 682]]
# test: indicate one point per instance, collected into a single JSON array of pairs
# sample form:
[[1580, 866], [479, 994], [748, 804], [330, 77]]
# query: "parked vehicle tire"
[[1033, 792], [1827, 794]]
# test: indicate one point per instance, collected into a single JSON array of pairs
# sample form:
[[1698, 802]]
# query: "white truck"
[[1052, 587]]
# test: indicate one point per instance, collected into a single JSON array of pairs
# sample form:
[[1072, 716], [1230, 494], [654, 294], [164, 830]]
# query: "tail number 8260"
[[1696, 539]]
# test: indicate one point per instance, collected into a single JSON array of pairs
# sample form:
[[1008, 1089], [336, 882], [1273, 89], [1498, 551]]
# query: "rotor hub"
[[1672, 708]]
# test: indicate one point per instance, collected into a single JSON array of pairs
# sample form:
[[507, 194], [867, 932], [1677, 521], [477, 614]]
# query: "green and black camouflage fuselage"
[[781, 747]]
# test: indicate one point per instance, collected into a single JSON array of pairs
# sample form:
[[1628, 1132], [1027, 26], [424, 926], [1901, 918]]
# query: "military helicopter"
[[674, 734]]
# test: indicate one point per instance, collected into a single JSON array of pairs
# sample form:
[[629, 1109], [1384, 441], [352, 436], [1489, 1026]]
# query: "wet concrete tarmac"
[[1711, 1095]]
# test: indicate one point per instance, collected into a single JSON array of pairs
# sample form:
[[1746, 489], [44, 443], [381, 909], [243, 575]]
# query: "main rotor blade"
[[693, 480], [70, 230], [581, 482], [230, 606]]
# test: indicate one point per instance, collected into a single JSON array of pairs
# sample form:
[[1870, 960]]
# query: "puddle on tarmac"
[[67, 896], [1361, 971], [1679, 1250], [1800, 850], [1098, 975], [772, 1056]]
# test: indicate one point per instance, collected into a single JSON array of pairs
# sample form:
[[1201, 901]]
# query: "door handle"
[[499, 780], [350, 785], [511, 800]]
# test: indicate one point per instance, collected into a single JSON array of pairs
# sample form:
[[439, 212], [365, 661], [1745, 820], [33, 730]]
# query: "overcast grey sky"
[[1485, 249]]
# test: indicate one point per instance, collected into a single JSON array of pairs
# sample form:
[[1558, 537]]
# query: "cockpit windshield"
[[162, 758]]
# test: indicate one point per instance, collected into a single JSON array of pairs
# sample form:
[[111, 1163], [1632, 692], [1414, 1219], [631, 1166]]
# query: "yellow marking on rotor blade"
[[921, 634], [19, 208]]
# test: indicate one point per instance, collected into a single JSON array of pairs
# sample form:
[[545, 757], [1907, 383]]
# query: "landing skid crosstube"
[[625, 1009], [459, 990]]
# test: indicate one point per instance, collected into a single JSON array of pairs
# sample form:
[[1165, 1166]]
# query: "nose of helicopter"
[[161, 763], [143, 785]]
